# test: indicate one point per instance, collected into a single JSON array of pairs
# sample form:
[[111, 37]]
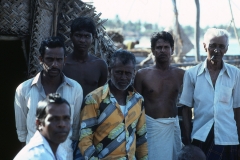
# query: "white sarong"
[[163, 138]]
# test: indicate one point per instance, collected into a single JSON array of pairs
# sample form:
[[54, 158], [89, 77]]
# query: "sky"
[[212, 12]]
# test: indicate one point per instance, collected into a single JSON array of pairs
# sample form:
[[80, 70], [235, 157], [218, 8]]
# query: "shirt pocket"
[[225, 94]]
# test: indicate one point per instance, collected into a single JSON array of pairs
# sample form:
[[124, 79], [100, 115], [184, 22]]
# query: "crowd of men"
[[78, 107]]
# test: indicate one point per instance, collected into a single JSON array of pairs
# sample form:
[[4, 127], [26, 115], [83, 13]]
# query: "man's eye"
[[222, 47], [53, 119], [67, 118], [119, 72], [212, 45], [50, 59], [128, 73]]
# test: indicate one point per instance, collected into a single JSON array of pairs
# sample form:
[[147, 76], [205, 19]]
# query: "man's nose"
[[55, 63], [124, 76], [162, 49], [62, 123], [217, 49], [82, 39]]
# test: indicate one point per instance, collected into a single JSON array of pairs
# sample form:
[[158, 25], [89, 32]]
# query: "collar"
[[106, 90], [37, 80], [203, 68], [38, 140]]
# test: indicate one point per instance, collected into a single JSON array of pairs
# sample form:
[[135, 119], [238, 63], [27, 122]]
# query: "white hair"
[[214, 32]]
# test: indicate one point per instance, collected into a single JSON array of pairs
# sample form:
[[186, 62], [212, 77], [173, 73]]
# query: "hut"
[[24, 24]]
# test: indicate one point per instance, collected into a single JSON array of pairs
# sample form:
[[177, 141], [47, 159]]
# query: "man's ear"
[[40, 58], [65, 58], [39, 124], [109, 70], [172, 50], [205, 47]]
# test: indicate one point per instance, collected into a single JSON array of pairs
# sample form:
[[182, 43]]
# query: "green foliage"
[[146, 29]]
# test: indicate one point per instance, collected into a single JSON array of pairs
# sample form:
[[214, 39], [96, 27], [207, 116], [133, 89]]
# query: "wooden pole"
[[55, 18], [234, 27], [197, 31]]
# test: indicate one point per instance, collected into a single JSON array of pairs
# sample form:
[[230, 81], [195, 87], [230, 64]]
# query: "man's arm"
[[21, 111], [104, 74], [187, 118], [237, 119], [141, 137], [88, 121], [236, 107], [76, 114], [138, 82], [186, 100]]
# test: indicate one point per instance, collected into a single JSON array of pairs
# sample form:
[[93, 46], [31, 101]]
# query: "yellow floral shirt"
[[108, 134]]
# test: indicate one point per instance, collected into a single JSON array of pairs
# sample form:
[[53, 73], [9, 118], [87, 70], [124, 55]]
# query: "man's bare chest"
[[83, 73], [161, 85]]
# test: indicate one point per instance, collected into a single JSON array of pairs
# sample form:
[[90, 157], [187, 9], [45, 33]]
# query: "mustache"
[[49, 68], [162, 56]]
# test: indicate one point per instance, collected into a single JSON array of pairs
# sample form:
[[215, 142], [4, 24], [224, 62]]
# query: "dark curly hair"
[[83, 23], [124, 56], [51, 42], [161, 35], [52, 98]]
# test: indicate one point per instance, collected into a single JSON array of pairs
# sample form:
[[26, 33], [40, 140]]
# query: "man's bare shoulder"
[[178, 70], [145, 70], [93, 58]]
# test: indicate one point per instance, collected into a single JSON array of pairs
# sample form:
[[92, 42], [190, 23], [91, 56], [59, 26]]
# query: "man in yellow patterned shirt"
[[113, 122]]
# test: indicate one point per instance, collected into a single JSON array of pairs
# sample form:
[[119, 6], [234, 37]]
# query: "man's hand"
[[187, 119], [23, 144]]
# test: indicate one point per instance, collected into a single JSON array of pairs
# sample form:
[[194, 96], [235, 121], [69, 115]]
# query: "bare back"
[[160, 90], [90, 74]]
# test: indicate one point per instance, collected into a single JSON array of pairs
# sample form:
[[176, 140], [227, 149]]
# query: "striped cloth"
[[108, 134]]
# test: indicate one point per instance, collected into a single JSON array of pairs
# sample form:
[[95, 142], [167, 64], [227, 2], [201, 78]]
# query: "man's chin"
[[82, 49], [122, 88]]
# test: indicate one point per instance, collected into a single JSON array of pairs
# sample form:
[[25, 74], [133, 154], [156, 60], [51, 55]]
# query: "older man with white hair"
[[212, 88]]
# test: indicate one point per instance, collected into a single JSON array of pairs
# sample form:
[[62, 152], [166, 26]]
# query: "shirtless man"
[[88, 70], [160, 85]]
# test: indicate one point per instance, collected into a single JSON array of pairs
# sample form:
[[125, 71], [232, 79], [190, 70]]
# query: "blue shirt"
[[213, 105]]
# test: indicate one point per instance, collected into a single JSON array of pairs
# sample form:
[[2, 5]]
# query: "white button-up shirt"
[[27, 96], [213, 105], [38, 149]]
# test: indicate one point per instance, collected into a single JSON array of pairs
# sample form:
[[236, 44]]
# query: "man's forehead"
[[57, 109], [56, 52], [123, 67], [84, 32], [220, 39], [162, 42]]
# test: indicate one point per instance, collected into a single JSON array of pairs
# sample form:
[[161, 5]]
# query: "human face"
[[216, 48], [82, 40], [53, 61], [122, 75], [162, 51], [56, 125]]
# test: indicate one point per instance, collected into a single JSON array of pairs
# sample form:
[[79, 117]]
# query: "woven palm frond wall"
[[15, 17], [103, 46], [39, 19]]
